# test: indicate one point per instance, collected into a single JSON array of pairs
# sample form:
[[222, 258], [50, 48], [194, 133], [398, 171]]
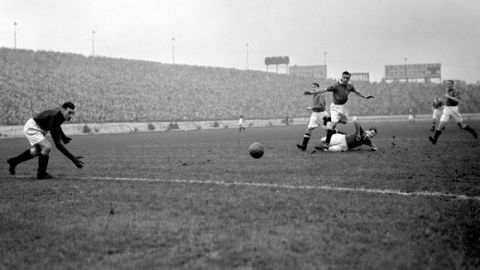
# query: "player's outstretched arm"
[[61, 147], [64, 138], [358, 131], [75, 159], [310, 108], [362, 96], [373, 147], [310, 92], [78, 162]]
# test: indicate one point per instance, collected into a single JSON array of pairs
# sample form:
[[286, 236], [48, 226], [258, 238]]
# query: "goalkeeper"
[[341, 142]]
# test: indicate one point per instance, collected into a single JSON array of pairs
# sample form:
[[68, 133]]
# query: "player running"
[[340, 91], [451, 110], [437, 108], [36, 129], [317, 118], [342, 142]]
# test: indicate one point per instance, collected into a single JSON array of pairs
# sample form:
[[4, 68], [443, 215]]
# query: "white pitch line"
[[279, 186], [283, 186]]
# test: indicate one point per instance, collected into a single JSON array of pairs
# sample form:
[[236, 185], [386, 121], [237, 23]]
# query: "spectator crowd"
[[119, 90]]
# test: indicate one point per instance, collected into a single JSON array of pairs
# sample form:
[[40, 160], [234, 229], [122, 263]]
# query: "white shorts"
[[436, 114], [339, 113], [451, 112], [338, 143], [33, 132], [316, 119]]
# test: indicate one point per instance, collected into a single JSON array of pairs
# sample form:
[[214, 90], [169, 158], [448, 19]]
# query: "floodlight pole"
[[325, 54], [93, 43], [15, 35], [173, 50], [246, 45]]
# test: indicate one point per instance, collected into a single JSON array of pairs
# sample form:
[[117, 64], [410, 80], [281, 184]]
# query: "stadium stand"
[[119, 90]]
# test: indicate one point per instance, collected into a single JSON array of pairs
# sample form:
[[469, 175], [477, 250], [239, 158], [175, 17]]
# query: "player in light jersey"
[[36, 129], [437, 108], [450, 110], [338, 112], [318, 116], [342, 142], [411, 117], [241, 123]]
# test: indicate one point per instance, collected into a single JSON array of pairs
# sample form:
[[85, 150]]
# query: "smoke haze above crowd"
[[359, 36]]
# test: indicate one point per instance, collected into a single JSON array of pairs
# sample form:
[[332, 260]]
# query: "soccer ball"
[[256, 150]]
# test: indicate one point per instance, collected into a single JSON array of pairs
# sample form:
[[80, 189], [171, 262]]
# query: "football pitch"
[[197, 200]]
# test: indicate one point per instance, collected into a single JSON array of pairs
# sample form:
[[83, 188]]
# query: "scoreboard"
[[413, 71], [360, 77], [319, 72]]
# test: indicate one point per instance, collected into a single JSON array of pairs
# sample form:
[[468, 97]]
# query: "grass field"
[[197, 200]]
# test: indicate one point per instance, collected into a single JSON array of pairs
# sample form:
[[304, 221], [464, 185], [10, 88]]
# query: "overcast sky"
[[356, 35]]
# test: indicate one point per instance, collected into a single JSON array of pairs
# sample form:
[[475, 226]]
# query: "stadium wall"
[[130, 127]]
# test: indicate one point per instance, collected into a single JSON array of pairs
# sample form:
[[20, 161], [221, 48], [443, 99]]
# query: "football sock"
[[329, 136], [306, 138], [20, 158], [471, 130], [434, 139], [42, 164]]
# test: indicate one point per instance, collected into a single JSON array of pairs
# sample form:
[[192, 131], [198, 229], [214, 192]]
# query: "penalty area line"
[[285, 186]]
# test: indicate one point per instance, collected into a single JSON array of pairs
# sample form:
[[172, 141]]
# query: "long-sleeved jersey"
[[50, 120], [340, 92], [318, 103], [358, 138], [454, 93]]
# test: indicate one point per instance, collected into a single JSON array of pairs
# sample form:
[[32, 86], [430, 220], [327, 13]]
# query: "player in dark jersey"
[[437, 107], [450, 110], [318, 116], [342, 142], [338, 112], [36, 129]]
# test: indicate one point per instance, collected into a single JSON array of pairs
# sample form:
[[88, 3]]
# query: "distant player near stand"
[[36, 129], [342, 142], [437, 108], [411, 117], [241, 123], [451, 110], [338, 112], [317, 118]]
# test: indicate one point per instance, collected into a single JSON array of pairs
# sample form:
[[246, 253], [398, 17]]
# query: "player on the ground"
[[437, 108], [338, 112], [317, 118], [450, 110], [36, 129], [342, 142]]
